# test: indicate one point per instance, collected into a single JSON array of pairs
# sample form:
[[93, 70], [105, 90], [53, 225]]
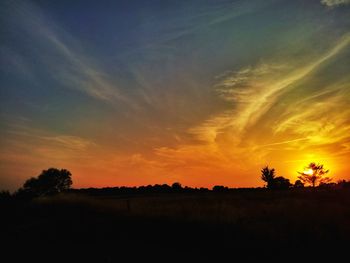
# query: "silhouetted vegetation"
[[278, 183], [141, 190], [343, 184], [201, 226], [176, 186], [117, 224], [5, 195], [314, 174], [298, 184], [49, 182], [281, 183], [220, 188], [268, 176]]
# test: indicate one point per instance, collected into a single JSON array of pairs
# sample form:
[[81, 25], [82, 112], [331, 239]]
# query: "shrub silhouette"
[[176, 186], [5, 195], [49, 182], [327, 185], [343, 184], [298, 184], [220, 188], [314, 175], [281, 183]]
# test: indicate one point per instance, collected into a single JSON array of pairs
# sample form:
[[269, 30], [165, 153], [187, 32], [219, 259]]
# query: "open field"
[[239, 225]]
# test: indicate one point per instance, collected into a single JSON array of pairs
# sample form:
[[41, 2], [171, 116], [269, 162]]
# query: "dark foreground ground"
[[240, 226]]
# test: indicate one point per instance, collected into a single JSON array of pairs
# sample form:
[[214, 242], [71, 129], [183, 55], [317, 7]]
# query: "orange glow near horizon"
[[204, 96]]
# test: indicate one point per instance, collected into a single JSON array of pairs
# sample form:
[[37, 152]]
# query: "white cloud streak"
[[313, 121], [61, 54], [253, 91], [334, 3]]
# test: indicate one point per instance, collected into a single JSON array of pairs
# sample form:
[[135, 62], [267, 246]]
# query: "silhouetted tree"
[[298, 184], [327, 185], [220, 188], [5, 195], [176, 186], [268, 176], [314, 175], [281, 183], [51, 181], [343, 184]]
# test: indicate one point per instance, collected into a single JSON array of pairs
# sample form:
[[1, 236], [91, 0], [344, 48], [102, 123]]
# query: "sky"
[[149, 92]]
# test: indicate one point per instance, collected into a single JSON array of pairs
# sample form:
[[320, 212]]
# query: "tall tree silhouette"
[[50, 181], [268, 176], [314, 174]]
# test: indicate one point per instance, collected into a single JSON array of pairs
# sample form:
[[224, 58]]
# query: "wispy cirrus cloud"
[[325, 121], [61, 55], [334, 3], [36, 148], [283, 96], [253, 91], [83, 75], [263, 119], [24, 139]]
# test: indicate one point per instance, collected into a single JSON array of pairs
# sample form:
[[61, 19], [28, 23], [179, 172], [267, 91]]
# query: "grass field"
[[239, 225]]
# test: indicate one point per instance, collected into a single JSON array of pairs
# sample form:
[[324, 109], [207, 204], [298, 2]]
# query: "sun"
[[308, 171]]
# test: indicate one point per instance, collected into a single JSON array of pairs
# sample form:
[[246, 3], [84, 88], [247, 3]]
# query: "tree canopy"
[[314, 174], [268, 175], [50, 181]]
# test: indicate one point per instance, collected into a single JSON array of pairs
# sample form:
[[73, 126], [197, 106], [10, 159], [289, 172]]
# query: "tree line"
[[53, 181], [313, 175]]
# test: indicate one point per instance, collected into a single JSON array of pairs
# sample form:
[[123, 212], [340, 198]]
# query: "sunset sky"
[[198, 92]]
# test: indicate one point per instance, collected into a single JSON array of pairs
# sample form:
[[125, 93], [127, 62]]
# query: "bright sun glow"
[[308, 171]]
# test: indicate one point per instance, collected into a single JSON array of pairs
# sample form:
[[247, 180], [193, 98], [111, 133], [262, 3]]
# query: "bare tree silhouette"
[[314, 174]]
